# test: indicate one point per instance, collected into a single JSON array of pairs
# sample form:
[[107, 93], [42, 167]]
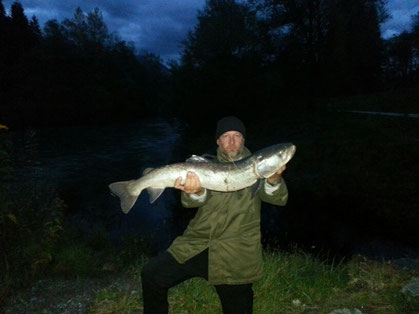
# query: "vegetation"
[[241, 53], [73, 72], [297, 64], [293, 283], [321, 172], [30, 224]]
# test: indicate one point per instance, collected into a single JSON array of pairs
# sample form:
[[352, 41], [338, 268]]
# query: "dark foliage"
[[75, 72], [275, 55], [272, 56]]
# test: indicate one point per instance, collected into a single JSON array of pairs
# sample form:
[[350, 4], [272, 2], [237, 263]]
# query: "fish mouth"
[[293, 149], [291, 152], [288, 153]]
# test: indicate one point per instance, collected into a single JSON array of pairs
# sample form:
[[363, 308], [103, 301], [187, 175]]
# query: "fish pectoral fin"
[[154, 193], [264, 170], [255, 188]]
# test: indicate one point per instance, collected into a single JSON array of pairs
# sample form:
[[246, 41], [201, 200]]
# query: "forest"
[[274, 54]]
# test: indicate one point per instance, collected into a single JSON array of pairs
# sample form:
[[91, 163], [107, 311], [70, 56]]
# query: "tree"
[[3, 56], [35, 28], [21, 32], [54, 31], [74, 72], [19, 18], [401, 55], [296, 30], [96, 28], [415, 22], [220, 59], [415, 32], [4, 21], [76, 28], [324, 47], [226, 29], [87, 31], [2, 12], [354, 46]]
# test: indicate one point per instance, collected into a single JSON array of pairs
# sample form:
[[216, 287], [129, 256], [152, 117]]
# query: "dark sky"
[[159, 26]]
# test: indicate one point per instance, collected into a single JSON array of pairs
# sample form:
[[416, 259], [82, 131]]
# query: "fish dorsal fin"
[[154, 193], [147, 171], [195, 158], [209, 157]]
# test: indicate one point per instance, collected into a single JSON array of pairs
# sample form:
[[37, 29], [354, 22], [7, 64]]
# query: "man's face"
[[231, 143]]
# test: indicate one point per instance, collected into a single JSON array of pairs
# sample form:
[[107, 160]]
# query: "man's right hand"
[[192, 184]]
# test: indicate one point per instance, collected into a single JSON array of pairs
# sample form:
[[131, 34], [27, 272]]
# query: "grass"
[[292, 283], [75, 259], [108, 301]]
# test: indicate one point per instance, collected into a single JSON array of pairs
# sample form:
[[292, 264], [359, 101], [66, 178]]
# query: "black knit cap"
[[229, 123]]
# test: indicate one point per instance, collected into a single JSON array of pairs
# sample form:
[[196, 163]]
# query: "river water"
[[79, 163]]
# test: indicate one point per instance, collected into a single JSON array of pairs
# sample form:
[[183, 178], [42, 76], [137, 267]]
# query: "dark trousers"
[[163, 272]]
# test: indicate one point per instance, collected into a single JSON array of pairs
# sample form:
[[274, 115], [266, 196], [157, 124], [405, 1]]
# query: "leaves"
[[12, 218]]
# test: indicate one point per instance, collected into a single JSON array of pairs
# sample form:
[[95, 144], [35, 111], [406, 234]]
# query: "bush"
[[75, 260], [30, 224]]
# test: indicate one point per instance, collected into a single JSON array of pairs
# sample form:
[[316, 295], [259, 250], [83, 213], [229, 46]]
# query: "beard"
[[234, 155]]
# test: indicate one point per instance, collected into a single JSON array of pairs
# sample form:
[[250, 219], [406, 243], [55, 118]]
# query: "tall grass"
[[292, 283]]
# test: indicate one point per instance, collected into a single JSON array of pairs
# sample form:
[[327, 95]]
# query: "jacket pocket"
[[248, 264]]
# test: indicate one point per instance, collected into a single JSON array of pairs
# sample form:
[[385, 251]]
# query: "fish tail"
[[121, 189]]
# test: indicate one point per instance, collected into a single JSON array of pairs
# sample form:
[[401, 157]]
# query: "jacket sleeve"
[[189, 201], [278, 197]]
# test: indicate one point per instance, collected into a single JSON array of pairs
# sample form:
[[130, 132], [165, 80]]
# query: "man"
[[222, 243]]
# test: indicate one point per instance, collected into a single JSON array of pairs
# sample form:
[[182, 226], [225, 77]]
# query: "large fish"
[[224, 177]]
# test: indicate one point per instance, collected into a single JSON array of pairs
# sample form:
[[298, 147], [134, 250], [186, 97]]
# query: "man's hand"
[[192, 184], [277, 176]]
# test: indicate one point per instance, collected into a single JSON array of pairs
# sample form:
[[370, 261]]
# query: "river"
[[79, 163]]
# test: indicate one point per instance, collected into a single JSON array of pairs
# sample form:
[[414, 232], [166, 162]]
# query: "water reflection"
[[389, 114], [80, 162]]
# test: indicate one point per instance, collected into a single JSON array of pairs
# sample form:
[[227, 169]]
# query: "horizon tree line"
[[275, 54]]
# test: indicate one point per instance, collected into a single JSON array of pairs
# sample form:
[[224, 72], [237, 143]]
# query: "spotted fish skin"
[[223, 177]]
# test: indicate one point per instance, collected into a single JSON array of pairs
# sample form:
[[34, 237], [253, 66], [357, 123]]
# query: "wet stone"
[[346, 311], [412, 288]]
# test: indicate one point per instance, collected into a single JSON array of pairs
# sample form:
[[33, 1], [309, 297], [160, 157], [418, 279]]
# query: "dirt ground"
[[66, 295]]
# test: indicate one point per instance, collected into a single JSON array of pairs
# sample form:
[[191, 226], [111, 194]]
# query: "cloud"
[[401, 12], [157, 26]]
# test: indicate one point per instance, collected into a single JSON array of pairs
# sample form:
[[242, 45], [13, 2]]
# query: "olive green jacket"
[[228, 224]]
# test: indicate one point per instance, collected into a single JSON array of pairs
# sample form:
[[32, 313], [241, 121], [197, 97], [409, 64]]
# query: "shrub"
[[30, 224]]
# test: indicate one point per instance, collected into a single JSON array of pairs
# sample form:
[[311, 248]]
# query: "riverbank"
[[353, 185], [293, 283]]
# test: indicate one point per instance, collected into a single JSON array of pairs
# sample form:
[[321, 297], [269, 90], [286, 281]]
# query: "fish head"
[[269, 160]]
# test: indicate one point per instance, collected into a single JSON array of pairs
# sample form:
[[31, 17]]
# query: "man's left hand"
[[274, 179]]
